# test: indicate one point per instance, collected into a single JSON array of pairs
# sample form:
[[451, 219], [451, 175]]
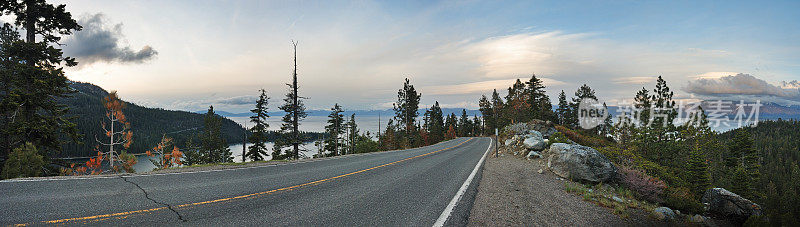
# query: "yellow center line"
[[123, 214]]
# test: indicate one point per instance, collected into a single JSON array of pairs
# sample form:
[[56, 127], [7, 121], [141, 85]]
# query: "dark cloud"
[[100, 42], [744, 86]]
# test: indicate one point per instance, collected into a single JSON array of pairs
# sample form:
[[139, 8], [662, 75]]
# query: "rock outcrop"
[[579, 163], [663, 214], [724, 202], [534, 141], [544, 127]]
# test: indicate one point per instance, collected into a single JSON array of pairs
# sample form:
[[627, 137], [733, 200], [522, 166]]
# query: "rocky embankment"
[[547, 151]]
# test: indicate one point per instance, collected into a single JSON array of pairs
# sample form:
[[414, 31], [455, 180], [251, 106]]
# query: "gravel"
[[512, 193]]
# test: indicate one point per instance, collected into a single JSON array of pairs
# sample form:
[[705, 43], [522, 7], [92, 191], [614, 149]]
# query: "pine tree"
[[699, 141], [741, 153], [406, 113], [192, 155], [352, 133], [289, 134], [486, 111], [477, 124], [118, 130], [538, 101], [642, 104], [33, 78], [562, 112], [213, 147], [435, 123], [497, 111], [604, 129], [464, 124], [258, 136], [584, 92], [335, 129], [661, 99], [451, 133], [451, 122], [517, 104]]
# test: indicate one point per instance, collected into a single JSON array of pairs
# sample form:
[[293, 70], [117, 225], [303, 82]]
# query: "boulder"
[[580, 163], [534, 141], [533, 155], [509, 142], [544, 127], [698, 219], [724, 202], [663, 214]]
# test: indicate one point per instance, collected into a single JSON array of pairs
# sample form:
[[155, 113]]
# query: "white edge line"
[[213, 170], [449, 209]]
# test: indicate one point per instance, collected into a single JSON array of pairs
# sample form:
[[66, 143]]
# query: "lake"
[[317, 123]]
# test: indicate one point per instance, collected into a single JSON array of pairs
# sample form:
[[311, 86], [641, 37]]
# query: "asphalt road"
[[398, 188]]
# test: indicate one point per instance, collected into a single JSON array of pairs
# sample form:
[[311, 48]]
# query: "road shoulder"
[[512, 193]]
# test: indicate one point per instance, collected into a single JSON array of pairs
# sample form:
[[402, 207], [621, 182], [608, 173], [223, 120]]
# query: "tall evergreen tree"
[[538, 101], [583, 92], [352, 133], [213, 147], [700, 142], [33, 77], [742, 154], [406, 113], [664, 113], [477, 124], [517, 103], [335, 129], [485, 106], [464, 124], [497, 111], [435, 124], [562, 112], [604, 129], [258, 136], [642, 104], [289, 135]]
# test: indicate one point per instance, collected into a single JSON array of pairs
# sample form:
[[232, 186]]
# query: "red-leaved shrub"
[[646, 187]]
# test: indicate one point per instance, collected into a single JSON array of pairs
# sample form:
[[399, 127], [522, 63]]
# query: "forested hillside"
[[778, 146], [147, 124]]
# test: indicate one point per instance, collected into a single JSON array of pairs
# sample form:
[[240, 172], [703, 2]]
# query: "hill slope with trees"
[[148, 124]]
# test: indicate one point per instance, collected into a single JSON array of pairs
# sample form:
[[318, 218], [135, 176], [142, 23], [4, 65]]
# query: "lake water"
[[144, 165], [317, 123]]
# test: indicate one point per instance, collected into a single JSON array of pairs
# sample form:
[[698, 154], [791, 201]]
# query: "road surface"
[[415, 187]]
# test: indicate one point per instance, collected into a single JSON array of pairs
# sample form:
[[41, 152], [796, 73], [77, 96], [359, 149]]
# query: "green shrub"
[[583, 139], [557, 137], [683, 199], [24, 161]]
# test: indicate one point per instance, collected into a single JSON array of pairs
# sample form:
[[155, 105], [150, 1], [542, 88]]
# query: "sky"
[[187, 55]]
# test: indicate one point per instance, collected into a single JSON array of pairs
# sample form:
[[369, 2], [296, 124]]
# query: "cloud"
[[101, 42], [481, 87], [634, 80], [238, 100], [744, 86], [794, 84]]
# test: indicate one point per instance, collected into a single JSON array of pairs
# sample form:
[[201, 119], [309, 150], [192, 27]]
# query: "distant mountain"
[[387, 112], [147, 124], [767, 111]]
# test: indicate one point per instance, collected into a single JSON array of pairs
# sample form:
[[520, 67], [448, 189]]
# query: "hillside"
[[778, 144], [147, 124]]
